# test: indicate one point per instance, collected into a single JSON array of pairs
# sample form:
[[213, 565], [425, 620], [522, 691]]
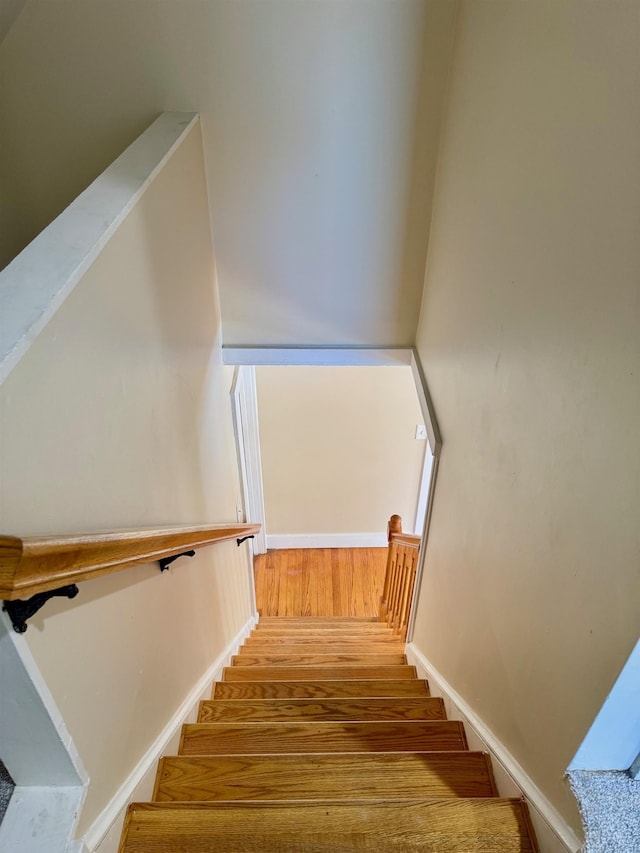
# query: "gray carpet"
[[6, 789], [610, 805]]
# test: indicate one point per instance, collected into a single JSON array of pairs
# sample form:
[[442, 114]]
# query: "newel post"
[[394, 525]]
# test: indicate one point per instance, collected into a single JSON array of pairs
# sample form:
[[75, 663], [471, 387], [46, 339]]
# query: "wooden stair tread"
[[313, 737], [320, 738], [317, 673], [329, 689], [300, 777], [313, 658], [265, 710], [429, 826]]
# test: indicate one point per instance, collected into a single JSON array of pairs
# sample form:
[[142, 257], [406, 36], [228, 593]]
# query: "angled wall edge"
[[36, 283]]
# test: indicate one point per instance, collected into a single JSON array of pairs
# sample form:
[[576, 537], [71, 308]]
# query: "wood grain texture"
[[308, 745], [373, 631], [271, 710], [430, 826], [39, 563], [247, 657], [330, 689], [325, 645], [313, 737], [295, 777], [348, 621], [316, 673], [320, 581], [399, 579]]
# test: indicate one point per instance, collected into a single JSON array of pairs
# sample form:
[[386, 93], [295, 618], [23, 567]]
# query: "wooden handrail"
[[406, 539], [37, 564], [402, 562]]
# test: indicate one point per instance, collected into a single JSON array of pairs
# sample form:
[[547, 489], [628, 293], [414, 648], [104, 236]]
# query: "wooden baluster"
[[406, 587], [395, 579], [408, 594], [397, 591], [394, 525]]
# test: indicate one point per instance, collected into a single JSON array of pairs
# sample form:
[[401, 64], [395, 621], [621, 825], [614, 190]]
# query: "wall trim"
[[244, 407], [424, 492], [326, 540], [426, 404], [554, 834], [317, 356], [434, 445], [124, 795]]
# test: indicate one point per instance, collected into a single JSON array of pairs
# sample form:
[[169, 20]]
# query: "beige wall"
[[529, 336], [119, 416], [339, 453], [320, 123]]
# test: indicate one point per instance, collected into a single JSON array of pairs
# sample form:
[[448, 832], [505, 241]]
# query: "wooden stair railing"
[[40, 567], [400, 577]]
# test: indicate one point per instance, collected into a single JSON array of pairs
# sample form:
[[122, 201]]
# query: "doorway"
[[296, 485]]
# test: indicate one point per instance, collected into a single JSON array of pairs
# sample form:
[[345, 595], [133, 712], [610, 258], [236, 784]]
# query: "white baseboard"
[[553, 833], [326, 540], [143, 774]]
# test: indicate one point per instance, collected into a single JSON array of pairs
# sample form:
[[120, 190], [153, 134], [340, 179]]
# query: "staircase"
[[319, 739]]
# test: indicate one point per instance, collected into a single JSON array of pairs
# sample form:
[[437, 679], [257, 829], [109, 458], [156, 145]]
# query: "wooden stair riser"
[[270, 710], [327, 689], [320, 777], [309, 621], [431, 826], [308, 658], [375, 629], [378, 644], [317, 673], [314, 737]]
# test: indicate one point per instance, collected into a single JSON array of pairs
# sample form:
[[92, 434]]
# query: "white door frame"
[[245, 423], [434, 447]]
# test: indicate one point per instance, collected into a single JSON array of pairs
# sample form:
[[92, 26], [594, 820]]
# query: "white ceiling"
[[321, 121]]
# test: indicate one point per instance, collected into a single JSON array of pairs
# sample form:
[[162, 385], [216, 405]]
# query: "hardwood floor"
[[320, 581]]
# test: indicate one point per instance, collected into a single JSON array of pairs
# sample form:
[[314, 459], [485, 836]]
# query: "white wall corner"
[[51, 781], [326, 540], [553, 833], [22, 668], [104, 833], [426, 404], [613, 740]]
